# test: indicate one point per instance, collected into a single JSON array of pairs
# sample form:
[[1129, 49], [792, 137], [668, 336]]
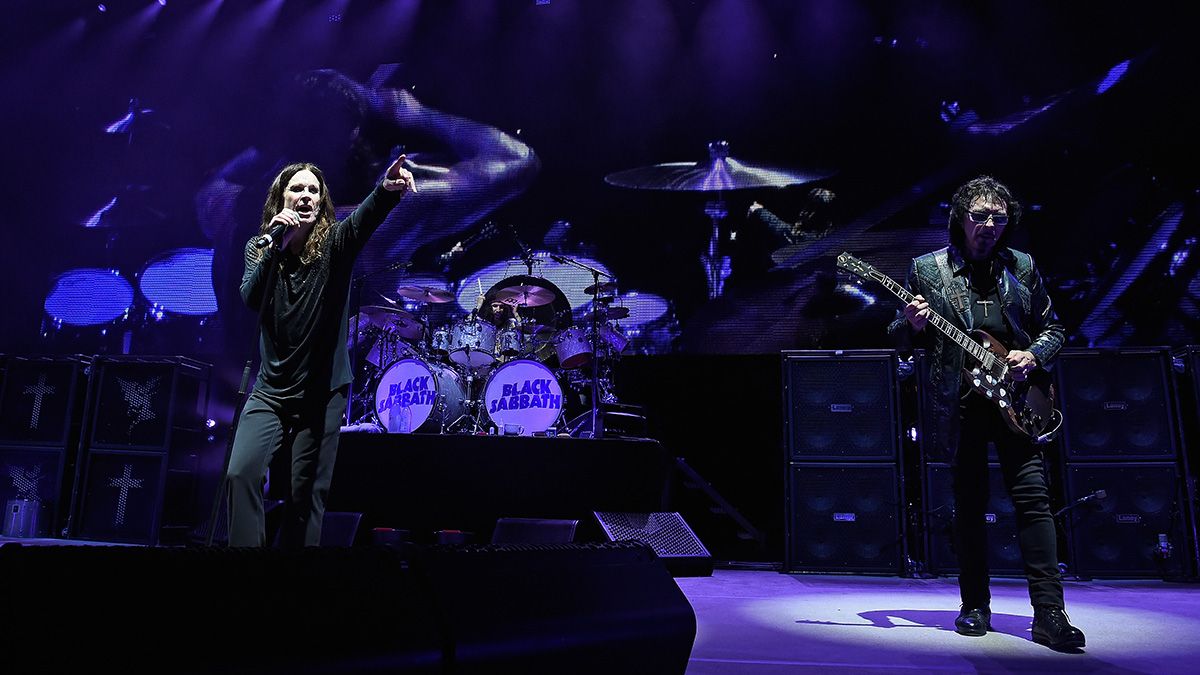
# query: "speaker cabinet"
[[41, 399], [41, 410], [840, 406], [843, 517], [39, 478], [1129, 522], [145, 403], [140, 470], [1004, 551], [1117, 406]]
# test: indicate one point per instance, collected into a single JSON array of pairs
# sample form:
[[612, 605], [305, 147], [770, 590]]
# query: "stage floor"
[[766, 623]]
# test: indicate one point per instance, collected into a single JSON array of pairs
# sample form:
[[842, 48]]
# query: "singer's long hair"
[[315, 245]]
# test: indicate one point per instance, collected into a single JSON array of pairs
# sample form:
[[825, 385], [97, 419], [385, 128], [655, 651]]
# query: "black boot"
[[974, 621], [1052, 628]]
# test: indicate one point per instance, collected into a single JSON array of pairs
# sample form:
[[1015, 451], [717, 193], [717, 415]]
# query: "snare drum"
[[414, 395], [523, 393], [573, 347], [473, 343]]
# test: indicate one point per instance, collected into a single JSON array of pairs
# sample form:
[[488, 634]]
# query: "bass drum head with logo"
[[413, 395], [523, 393]]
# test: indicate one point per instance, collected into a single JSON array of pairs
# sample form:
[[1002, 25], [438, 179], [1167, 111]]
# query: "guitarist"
[[978, 282]]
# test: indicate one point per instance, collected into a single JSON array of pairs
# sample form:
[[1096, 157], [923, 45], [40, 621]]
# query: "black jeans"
[[1021, 464], [310, 429]]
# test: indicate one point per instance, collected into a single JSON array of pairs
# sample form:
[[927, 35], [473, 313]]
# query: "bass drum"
[[523, 397], [413, 395]]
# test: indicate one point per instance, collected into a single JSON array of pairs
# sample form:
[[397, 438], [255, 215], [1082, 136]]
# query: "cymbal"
[[602, 287], [398, 321], [719, 173], [525, 295], [425, 294]]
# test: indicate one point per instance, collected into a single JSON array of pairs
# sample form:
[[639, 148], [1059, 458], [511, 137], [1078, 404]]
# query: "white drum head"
[[405, 396], [523, 394]]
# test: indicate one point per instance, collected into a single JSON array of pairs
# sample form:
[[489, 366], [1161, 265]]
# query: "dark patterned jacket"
[[1026, 308]]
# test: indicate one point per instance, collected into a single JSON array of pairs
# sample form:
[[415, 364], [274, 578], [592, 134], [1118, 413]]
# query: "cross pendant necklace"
[[985, 304]]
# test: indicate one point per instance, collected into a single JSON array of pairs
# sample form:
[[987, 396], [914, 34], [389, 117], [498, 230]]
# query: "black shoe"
[[1052, 628], [975, 621]]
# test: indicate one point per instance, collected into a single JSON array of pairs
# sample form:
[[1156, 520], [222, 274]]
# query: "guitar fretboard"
[[951, 331]]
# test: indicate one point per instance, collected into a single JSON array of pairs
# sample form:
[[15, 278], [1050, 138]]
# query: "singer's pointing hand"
[[399, 178]]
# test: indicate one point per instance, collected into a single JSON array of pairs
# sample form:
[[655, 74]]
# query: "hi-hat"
[[425, 294], [719, 173], [525, 295]]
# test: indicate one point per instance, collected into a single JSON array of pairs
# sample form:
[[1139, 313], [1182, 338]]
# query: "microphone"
[[265, 240]]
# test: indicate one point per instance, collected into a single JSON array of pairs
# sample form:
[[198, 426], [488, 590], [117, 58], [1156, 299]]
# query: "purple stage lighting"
[[1114, 76]]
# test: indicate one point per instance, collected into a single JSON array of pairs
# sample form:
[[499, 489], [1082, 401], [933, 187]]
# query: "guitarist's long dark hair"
[[988, 188]]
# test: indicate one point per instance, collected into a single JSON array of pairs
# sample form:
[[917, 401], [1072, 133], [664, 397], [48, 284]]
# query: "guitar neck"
[[937, 320]]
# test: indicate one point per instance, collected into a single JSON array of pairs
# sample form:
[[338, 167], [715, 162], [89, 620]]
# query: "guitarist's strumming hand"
[[1020, 364], [917, 313]]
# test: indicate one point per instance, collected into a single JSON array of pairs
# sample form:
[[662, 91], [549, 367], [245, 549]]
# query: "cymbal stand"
[[594, 337], [717, 267], [473, 405], [355, 304]]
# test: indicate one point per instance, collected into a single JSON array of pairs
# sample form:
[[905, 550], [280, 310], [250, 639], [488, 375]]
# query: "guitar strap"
[[955, 293]]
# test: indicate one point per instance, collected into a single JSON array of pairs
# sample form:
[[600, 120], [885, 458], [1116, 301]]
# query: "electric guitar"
[[1026, 406]]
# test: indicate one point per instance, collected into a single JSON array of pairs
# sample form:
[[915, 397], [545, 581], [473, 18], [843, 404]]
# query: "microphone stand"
[[597, 425], [267, 291]]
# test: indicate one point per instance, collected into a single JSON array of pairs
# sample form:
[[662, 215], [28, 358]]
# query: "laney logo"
[[138, 397]]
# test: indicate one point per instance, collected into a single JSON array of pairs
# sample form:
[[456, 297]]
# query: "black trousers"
[[310, 430], [1022, 466]]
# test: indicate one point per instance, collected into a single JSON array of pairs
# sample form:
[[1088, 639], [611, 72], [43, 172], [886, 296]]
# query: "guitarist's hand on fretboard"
[[1020, 364], [917, 313]]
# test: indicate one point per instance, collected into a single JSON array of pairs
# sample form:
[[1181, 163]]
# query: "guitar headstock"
[[849, 263]]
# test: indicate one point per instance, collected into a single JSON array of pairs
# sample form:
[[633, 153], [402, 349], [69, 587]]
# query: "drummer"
[[499, 314], [507, 322]]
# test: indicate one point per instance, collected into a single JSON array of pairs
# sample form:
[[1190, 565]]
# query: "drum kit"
[[503, 366], [508, 367]]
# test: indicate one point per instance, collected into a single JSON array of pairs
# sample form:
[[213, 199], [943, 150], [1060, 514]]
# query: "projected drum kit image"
[[512, 365]]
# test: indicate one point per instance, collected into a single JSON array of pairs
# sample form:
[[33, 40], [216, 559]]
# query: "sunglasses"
[[981, 217]]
